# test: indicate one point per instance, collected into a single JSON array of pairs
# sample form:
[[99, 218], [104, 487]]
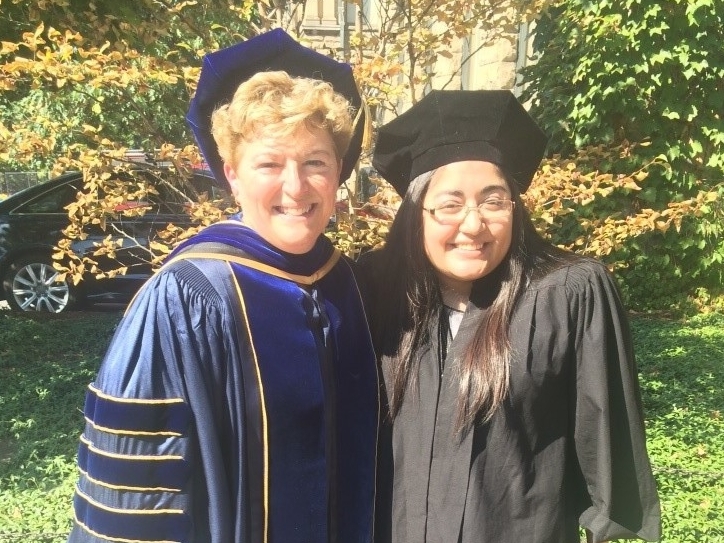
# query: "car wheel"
[[31, 284]]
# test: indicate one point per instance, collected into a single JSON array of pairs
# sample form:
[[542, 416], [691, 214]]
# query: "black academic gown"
[[235, 404], [566, 448]]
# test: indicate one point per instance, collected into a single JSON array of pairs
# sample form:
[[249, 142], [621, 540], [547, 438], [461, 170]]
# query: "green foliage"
[[682, 264], [102, 73], [45, 365], [681, 371], [82, 79], [611, 72]]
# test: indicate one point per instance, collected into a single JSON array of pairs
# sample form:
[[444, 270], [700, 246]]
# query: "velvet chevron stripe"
[[137, 466], [126, 525], [133, 472], [141, 417]]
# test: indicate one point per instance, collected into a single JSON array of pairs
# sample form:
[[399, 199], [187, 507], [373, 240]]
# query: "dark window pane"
[[53, 201]]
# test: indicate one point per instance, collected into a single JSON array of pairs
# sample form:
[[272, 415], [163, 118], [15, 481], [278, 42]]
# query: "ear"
[[233, 180]]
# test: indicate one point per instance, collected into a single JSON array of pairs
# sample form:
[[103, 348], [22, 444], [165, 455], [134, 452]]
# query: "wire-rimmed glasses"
[[492, 208]]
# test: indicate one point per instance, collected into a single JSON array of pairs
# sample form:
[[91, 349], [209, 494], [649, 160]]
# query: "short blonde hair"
[[276, 104]]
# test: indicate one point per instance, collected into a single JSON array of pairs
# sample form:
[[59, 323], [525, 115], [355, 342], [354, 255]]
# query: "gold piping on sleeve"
[[129, 488], [115, 431], [148, 401], [117, 539], [136, 401], [144, 512], [156, 458]]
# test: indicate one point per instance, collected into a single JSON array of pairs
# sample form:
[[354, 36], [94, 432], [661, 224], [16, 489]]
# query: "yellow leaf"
[[159, 247], [8, 47]]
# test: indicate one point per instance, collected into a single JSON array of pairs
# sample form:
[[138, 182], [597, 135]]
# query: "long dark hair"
[[408, 298]]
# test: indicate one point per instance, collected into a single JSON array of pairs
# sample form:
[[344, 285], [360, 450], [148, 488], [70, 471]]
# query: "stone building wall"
[[493, 66]]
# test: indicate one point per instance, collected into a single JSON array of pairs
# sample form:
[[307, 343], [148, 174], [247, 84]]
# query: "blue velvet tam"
[[453, 126], [224, 70]]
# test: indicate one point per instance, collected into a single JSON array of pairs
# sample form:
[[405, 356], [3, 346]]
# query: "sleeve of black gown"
[[368, 271], [609, 432], [149, 456]]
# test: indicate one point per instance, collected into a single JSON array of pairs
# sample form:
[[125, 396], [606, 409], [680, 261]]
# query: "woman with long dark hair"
[[514, 413]]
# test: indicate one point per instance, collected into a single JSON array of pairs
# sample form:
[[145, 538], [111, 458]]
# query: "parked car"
[[31, 224]]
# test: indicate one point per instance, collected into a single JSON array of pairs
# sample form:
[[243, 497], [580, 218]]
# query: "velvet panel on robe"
[[566, 449], [239, 414]]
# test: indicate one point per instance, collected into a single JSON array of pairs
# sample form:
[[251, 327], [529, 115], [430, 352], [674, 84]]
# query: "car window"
[[176, 194], [53, 201], [172, 197], [205, 183], [169, 200]]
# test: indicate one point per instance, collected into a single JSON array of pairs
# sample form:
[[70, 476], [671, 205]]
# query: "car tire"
[[31, 284]]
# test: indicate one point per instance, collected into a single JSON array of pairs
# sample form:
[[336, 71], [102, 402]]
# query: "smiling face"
[[287, 187], [464, 252]]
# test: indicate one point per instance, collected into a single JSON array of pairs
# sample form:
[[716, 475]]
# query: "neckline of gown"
[[236, 234]]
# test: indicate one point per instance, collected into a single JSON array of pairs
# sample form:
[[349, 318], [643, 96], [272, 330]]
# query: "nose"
[[293, 179], [472, 223]]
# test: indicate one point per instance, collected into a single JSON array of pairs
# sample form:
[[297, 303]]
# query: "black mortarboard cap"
[[451, 126], [224, 70]]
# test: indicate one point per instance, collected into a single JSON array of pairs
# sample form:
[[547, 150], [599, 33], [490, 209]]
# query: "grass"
[[45, 364], [682, 380], [47, 361]]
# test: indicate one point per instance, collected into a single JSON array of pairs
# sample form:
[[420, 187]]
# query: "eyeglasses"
[[492, 208]]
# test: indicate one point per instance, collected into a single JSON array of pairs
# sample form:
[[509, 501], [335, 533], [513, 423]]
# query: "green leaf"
[[661, 57]]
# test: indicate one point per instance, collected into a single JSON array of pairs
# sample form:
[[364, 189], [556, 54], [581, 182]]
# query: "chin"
[[470, 275]]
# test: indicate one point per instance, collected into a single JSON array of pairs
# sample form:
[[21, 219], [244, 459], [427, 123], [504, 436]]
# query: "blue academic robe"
[[237, 402]]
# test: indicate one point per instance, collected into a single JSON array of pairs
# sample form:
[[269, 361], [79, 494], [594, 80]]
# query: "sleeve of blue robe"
[[158, 421]]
